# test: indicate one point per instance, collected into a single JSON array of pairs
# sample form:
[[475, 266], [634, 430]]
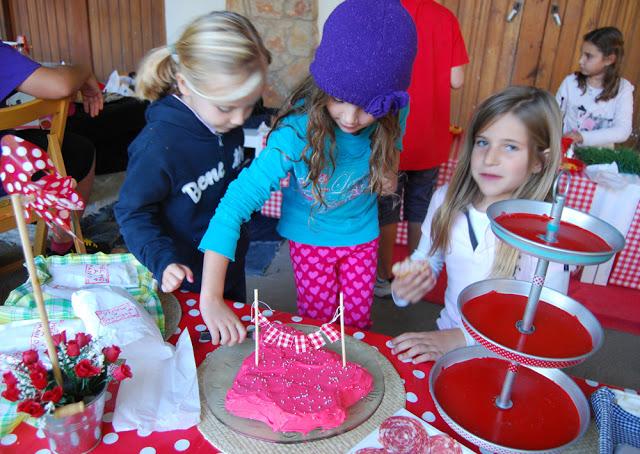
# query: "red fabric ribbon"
[[52, 197]]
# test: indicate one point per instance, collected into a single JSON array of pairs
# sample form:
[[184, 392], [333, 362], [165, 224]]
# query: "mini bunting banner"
[[271, 334], [52, 196]]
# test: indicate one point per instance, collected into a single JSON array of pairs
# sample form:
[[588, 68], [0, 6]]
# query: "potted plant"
[[87, 368]]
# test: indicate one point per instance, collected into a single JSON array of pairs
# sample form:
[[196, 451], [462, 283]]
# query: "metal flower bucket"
[[79, 433]]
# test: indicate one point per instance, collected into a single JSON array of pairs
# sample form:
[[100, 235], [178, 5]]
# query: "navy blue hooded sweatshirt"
[[178, 171]]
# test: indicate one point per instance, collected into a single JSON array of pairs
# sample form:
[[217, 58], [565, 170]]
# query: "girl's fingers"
[[233, 334], [169, 284], [423, 358], [189, 274], [242, 332], [215, 334], [404, 344], [224, 334]]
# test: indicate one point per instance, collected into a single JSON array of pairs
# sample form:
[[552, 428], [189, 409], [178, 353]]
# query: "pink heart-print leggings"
[[322, 272]]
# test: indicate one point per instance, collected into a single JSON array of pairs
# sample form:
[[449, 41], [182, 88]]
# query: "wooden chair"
[[14, 117]]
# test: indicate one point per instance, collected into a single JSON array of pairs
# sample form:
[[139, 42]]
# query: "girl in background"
[[596, 102], [338, 136], [203, 88], [511, 150]]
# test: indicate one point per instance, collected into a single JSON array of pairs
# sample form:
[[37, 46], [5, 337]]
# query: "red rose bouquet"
[[86, 369]]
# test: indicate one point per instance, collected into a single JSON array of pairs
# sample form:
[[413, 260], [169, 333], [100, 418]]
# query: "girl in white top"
[[596, 103], [511, 150]]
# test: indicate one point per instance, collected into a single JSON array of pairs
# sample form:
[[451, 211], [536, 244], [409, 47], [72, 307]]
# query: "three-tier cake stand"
[[506, 395]]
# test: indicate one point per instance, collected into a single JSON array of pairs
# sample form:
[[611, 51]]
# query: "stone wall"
[[289, 30]]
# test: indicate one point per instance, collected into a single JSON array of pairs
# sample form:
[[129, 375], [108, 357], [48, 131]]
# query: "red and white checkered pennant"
[[52, 197], [273, 335]]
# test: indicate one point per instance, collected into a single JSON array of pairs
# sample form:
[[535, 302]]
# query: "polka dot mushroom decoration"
[[51, 196]]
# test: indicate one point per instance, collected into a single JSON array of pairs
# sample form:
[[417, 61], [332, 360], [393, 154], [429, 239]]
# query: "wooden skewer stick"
[[256, 336], [35, 283], [344, 356], [68, 410]]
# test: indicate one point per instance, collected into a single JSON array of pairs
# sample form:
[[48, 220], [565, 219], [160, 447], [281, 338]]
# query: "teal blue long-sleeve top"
[[350, 216]]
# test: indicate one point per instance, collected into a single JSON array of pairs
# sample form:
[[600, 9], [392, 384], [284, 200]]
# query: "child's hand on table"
[[427, 345], [223, 324], [413, 278], [173, 275]]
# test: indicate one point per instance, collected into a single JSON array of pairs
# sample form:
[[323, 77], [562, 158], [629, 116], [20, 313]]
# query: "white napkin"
[[80, 275], [616, 197], [112, 314], [629, 402], [24, 335], [615, 201], [163, 394]]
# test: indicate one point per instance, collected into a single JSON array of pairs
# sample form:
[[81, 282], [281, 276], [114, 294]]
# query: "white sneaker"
[[382, 289]]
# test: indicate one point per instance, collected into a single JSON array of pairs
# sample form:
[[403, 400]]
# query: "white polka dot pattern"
[[51, 196], [8, 440], [428, 416], [110, 438], [181, 445], [419, 374]]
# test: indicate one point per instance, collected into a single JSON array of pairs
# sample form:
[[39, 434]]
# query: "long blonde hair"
[[221, 43], [538, 111], [321, 129]]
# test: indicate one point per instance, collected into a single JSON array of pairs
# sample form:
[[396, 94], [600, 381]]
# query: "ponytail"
[[156, 75]]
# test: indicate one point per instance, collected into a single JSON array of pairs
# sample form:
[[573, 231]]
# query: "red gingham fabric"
[[446, 172], [626, 271], [271, 335], [272, 207], [581, 192], [300, 343], [331, 333], [316, 339]]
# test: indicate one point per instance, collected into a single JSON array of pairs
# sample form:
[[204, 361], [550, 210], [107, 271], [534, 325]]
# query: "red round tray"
[[565, 332], [549, 411]]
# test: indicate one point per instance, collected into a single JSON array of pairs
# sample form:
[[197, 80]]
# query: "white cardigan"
[[466, 266], [601, 123]]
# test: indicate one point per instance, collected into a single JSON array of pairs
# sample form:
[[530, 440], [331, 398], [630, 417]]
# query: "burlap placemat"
[[588, 443], [172, 313], [231, 442]]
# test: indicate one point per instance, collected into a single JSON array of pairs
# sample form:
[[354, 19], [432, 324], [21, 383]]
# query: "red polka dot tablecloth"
[[26, 439]]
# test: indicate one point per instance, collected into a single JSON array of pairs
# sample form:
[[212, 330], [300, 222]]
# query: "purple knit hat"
[[366, 55]]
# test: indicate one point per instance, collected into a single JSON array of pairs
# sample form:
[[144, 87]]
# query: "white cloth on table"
[[614, 201]]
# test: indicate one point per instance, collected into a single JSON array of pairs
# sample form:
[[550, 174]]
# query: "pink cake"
[[297, 392]]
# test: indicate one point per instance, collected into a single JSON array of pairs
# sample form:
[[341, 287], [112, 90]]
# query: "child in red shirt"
[[426, 144]]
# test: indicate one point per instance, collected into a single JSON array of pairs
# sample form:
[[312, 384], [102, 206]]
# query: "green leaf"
[[627, 159]]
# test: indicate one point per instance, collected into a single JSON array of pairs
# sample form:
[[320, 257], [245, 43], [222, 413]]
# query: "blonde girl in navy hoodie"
[[203, 88]]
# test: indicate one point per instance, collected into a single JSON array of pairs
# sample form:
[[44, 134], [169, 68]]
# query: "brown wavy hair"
[[310, 99], [539, 112], [609, 41]]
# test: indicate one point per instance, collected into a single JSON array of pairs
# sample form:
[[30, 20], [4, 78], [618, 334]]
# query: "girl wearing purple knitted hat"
[[338, 137]]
